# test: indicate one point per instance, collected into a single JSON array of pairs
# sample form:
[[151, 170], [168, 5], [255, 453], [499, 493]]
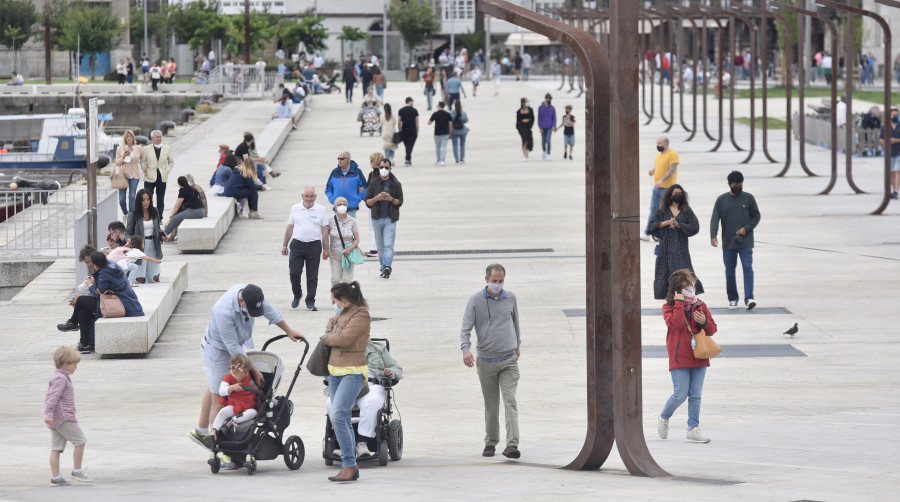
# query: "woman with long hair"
[[458, 132], [188, 206], [524, 124], [128, 155], [672, 224], [144, 221], [245, 185], [388, 128]]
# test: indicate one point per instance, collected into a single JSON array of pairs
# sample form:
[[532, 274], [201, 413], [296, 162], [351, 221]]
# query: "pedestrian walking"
[[517, 65], [494, 314], [526, 65], [428, 79], [306, 232], [441, 120], [495, 73], [408, 124], [568, 125], [59, 416], [145, 68], [388, 129], [379, 81], [665, 174], [375, 164], [459, 132], [547, 124], [454, 88], [524, 124], [475, 77], [128, 156], [346, 180], [129, 67], [349, 78], [343, 238], [672, 223], [739, 215], [155, 76], [685, 315], [385, 196], [895, 153], [121, 71], [157, 163]]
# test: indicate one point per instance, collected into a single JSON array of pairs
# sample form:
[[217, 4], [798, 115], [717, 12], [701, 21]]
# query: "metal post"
[[452, 28], [384, 35], [246, 33], [47, 71], [763, 43], [91, 157]]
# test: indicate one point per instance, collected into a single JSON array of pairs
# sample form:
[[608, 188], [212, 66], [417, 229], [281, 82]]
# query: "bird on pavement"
[[792, 331]]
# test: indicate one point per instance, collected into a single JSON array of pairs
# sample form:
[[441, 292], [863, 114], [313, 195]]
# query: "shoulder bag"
[[318, 360], [704, 346], [111, 306], [355, 257], [397, 138], [118, 180]]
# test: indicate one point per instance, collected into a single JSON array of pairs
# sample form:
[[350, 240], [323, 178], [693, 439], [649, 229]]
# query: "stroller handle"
[[255, 390], [279, 337]]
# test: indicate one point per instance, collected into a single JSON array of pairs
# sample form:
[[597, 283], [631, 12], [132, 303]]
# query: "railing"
[[44, 220], [818, 132], [239, 82]]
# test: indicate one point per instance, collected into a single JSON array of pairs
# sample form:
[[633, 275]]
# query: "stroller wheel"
[[326, 452], [215, 463], [383, 452], [294, 452], [251, 466]]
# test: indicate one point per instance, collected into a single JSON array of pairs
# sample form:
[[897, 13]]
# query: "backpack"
[[869, 121], [458, 122]]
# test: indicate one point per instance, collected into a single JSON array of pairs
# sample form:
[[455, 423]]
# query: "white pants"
[[338, 272], [227, 412], [368, 409], [372, 245]]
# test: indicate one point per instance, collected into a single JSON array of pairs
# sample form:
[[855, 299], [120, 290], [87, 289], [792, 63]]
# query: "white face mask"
[[495, 287], [384, 172], [342, 209]]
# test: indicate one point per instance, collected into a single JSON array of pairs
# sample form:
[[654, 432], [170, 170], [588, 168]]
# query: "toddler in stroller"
[[239, 404], [370, 116]]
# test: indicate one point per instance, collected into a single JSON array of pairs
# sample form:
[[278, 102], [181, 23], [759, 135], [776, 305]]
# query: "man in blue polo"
[[348, 181]]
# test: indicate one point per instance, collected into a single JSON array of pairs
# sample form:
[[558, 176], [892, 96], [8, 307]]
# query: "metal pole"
[[47, 42], [246, 32], [384, 35], [146, 39], [452, 28]]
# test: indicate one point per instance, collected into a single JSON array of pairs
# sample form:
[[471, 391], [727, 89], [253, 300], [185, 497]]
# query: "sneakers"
[[751, 304], [512, 451], [372, 254], [86, 349], [254, 215], [200, 438], [227, 464], [695, 435], [311, 307], [895, 195], [548, 156], [662, 427], [68, 326], [362, 449], [565, 155], [386, 273], [81, 476], [295, 302], [336, 453], [407, 163], [644, 236], [733, 305], [59, 481]]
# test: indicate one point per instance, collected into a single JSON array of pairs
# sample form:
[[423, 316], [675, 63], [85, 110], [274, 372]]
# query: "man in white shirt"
[[307, 230], [526, 65], [318, 61]]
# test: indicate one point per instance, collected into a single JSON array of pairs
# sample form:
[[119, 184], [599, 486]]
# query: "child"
[[239, 404], [59, 415], [126, 256], [475, 75], [568, 125]]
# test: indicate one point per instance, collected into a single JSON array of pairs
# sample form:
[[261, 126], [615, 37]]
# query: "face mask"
[[384, 172], [342, 209], [337, 310], [689, 293], [246, 313], [737, 190], [495, 287], [678, 198], [895, 119], [660, 148], [527, 104]]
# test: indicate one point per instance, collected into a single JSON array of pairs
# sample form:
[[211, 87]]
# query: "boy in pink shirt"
[[59, 415]]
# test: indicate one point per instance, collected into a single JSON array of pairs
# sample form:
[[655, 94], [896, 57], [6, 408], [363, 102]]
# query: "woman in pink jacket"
[[685, 316], [127, 156]]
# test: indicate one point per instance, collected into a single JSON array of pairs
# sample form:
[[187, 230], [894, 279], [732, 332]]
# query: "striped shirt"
[[60, 400]]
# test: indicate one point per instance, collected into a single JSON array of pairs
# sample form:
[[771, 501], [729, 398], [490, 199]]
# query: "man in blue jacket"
[[348, 181]]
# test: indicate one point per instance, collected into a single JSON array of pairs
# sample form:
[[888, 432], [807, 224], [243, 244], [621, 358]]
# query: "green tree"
[[308, 31], [351, 34], [156, 25], [16, 25], [197, 23], [471, 41], [94, 26], [263, 26], [415, 20]]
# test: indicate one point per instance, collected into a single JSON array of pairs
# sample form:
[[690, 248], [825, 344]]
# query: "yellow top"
[[348, 370], [663, 161]]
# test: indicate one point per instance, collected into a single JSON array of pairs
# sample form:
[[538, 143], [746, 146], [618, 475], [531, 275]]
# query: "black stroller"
[[261, 438], [388, 432], [330, 86]]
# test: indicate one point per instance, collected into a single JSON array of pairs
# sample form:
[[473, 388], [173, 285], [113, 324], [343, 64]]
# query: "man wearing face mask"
[[547, 124], [306, 232], [157, 163], [739, 215], [494, 314], [384, 197], [665, 174], [230, 328]]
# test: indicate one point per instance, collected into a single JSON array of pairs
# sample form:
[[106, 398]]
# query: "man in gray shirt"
[[494, 314], [739, 215]]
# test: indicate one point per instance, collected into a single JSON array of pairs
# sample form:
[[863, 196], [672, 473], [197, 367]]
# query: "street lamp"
[[146, 40], [452, 29]]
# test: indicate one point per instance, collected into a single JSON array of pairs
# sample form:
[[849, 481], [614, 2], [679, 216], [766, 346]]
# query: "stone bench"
[[269, 141], [136, 335], [203, 235]]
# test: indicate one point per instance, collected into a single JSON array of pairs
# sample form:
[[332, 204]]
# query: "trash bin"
[[413, 73]]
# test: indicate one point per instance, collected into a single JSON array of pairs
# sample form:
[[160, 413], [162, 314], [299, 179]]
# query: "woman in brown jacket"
[[348, 336], [127, 156]]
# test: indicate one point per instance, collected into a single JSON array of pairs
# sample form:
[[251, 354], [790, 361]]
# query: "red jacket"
[[678, 340], [242, 399]]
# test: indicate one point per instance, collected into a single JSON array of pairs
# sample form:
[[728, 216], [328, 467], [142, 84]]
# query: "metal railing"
[[242, 81], [44, 220], [818, 132]]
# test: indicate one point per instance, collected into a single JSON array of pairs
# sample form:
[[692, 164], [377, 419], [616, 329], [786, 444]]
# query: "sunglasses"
[[342, 158]]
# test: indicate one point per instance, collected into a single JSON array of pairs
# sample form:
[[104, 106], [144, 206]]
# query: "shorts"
[[569, 139], [895, 164], [216, 363], [474, 83], [68, 431]]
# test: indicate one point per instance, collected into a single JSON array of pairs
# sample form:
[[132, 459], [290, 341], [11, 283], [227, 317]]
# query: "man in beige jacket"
[[157, 163]]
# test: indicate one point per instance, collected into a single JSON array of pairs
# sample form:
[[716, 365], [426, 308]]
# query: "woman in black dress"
[[672, 224], [524, 123]]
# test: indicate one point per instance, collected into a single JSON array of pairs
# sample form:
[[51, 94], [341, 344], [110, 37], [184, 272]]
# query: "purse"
[[118, 180], [397, 138], [111, 306], [355, 257], [704, 346], [318, 360]]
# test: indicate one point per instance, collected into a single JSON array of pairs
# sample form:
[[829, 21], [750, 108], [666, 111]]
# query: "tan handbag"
[[111, 306], [704, 346], [118, 180]]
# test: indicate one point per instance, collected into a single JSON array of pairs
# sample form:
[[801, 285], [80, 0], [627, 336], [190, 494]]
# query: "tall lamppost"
[[146, 40], [452, 28]]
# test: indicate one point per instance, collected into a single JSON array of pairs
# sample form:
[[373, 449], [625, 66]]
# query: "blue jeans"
[[898, 75], [128, 193], [546, 134], [385, 232], [389, 154], [453, 97], [526, 72], [379, 90], [688, 384], [459, 146], [655, 198], [440, 145], [261, 172], [429, 95], [343, 391], [730, 257]]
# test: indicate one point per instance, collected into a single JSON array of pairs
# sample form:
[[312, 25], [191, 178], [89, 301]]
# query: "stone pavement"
[[820, 427]]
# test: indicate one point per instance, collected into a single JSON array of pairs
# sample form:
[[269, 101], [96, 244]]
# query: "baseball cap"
[[253, 297]]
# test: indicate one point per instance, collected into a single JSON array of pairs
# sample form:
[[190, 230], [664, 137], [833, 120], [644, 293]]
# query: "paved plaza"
[[822, 425]]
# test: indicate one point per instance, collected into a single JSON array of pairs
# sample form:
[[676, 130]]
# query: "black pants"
[[250, 194], [308, 254], [85, 313], [348, 91], [154, 82], [160, 187], [409, 142]]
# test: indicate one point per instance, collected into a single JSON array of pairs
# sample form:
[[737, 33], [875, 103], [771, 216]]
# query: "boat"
[[12, 202], [49, 141]]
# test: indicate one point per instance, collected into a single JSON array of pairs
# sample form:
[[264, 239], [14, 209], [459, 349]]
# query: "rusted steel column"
[[653, 47], [764, 66], [720, 65], [614, 404], [694, 35], [663, 18], [645, 65], [752, 27], [704, 49], [732, 48], [660, 49]]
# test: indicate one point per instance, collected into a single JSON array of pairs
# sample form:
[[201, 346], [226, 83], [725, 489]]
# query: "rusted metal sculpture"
[[663, 18], [732, 46], [764, 66], [720, 65], [653, 69], [693, 129], [614, 406], [887, 95]]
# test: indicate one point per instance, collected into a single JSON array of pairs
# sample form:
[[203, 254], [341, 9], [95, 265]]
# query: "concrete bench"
[[203, 235], [136, 335], [269, 141]]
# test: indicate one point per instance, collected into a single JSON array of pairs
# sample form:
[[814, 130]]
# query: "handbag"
[[118, 180], [704, 346], [397, 138], [111, 306], [355, 257], [318, 360]]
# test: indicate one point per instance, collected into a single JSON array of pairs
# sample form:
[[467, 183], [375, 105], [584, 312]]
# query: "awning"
[[530, 38]]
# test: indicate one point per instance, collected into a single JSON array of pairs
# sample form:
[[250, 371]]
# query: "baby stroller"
[[261, 438], [330, 86], [370, 116], [388, 432]]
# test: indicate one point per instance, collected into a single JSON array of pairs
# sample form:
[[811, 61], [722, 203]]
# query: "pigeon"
[[792, 331]]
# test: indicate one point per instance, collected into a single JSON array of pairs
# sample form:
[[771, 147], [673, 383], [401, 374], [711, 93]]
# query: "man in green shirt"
[[739, 215]]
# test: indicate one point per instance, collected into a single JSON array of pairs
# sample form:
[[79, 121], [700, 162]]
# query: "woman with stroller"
[[347, 335], [388, 128], [381, 365]]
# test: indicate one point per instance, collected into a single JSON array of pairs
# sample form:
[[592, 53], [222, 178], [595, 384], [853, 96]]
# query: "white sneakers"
[[751, 304], [662, 427], [644, 236], [732, 305], [695, 435], [362, 449]]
